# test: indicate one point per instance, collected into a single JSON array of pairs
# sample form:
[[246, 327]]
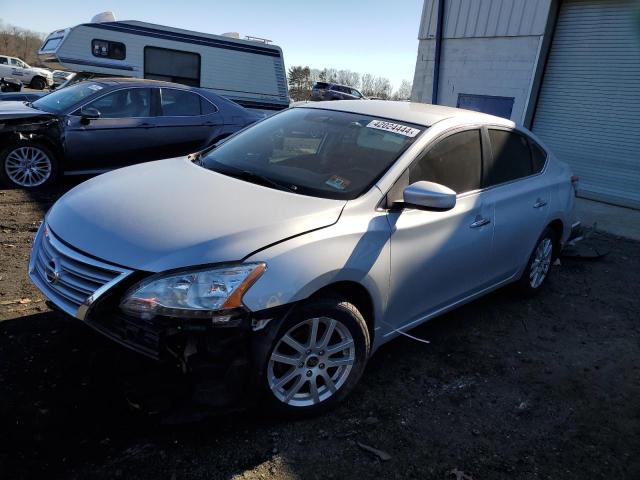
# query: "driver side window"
[[128, 103], [455, 162]]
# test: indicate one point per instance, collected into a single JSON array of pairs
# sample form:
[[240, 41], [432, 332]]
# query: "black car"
[[334, 91], [102, 124]]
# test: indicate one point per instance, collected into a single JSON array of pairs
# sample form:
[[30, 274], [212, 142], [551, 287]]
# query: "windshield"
[[314, 152], [60, 100]]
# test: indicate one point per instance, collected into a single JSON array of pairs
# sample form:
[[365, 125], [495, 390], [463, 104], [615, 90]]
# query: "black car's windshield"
[[60, 100], [315, 152]]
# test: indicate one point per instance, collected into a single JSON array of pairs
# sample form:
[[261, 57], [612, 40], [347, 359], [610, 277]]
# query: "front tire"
[[539, 265], [38, 83], [27, 165], [316, 358]]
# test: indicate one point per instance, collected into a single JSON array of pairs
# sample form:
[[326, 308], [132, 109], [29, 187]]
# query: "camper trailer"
[[249, 72]]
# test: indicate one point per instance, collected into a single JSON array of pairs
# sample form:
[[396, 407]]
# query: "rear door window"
[[455, 162], [511, 158], [538, 156], [179, 103]]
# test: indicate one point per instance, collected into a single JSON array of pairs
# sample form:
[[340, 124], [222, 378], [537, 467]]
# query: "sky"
[[371, 36]]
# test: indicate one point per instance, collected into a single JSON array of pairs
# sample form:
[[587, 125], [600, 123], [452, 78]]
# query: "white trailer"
[[248, 72]]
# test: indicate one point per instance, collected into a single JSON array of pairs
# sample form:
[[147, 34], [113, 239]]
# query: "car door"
[[122, 135], [520, 195], [5, 69], [187, 122], [440, 257]]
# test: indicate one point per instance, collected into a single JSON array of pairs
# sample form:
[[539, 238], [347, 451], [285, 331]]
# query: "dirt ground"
[[547, 387]]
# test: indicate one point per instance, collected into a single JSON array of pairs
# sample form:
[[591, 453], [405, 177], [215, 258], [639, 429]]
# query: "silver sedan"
[[303, 243]]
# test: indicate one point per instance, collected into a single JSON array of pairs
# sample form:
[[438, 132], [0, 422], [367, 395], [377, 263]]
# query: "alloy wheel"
[[311, 361], [28, 166], [541, 262]]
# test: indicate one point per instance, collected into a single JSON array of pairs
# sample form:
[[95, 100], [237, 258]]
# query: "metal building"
[[567, 69]]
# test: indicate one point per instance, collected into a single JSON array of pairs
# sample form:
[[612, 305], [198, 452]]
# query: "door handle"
[[539, 203], [147, 125], [480, 222]]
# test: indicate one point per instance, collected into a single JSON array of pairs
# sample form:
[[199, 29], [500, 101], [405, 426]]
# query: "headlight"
[[202, 293]]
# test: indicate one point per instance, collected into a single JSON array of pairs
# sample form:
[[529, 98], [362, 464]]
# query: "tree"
[[404, 91], [299, 79], [367, 85]]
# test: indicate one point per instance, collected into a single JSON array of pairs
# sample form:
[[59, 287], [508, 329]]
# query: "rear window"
[[321, 85], [511, 158], [179, 103]]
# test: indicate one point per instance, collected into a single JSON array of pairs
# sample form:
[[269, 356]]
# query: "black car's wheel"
[[38, 83], [317, 357], [539, 265], [27, 165]]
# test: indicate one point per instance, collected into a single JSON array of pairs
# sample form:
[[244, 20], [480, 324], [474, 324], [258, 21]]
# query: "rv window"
[[172, 66], [51, 44], [107, 49], [179, 103]]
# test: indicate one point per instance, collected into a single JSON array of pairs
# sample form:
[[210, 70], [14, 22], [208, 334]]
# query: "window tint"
[[134, 102], [206, 107], [3, 61], [538, 156], [172, 66], [455, 162], [179, 103], [107, 49], [511, 158]]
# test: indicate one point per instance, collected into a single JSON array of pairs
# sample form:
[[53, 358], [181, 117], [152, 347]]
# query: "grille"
[[71, 280]]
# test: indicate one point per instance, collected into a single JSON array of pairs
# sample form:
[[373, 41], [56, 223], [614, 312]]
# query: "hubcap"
[[311, 362], [541, 262], [28, 166]]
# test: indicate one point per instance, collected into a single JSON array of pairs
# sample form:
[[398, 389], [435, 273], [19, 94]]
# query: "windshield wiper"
[[256, 178]]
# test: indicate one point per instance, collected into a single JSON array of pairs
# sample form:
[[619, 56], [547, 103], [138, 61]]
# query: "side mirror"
[[429, 195], [89, 113]]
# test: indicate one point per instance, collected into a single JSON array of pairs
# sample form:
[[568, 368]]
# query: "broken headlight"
[[201, 293]]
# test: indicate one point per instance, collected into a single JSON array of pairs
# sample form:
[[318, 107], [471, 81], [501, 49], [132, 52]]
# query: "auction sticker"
[[338, 182], [393, 128]]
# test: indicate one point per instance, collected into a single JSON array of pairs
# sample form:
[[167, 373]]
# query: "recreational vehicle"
[[249, 72]]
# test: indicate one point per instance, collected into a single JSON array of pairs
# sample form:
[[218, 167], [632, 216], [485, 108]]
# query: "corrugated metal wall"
[[588, 111], [485, 18]]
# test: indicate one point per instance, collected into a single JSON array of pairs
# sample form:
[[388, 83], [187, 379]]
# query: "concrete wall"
[[489, 47]]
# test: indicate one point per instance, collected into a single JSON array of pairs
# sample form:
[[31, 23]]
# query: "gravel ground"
[[547, 387]]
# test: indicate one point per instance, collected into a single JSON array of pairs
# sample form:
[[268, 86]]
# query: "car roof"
[[134, 82], [418, 113]]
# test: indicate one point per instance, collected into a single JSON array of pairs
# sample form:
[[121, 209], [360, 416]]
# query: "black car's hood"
[[16, 110]]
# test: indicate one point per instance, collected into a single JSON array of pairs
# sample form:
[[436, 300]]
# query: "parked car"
[[21, 96], [284, 257], [10, 85], [38, 78], [333, 91], [98, 125], [60, 77]]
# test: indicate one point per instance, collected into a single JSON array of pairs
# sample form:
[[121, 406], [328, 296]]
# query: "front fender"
[[354, 249]]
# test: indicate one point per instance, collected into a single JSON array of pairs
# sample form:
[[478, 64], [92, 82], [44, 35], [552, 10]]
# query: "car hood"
[[171, 213], [17, 109], [41, 71]]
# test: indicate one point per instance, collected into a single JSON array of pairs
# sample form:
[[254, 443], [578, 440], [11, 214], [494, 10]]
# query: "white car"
[[286, 255], [38, 78]]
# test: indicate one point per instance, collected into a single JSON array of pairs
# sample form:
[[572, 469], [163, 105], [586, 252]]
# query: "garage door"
[[589, 105]]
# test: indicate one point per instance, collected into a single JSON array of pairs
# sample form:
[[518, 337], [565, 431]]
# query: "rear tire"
[[316, 358], [539, 265], [38, 83]]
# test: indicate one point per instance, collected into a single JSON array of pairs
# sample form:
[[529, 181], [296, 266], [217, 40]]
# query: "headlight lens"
[[202, 293]]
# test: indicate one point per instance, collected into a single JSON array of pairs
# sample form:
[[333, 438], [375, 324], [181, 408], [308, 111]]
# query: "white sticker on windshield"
[[393, 128], [95, 87]]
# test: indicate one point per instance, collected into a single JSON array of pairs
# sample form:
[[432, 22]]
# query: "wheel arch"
[[355, 293]]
